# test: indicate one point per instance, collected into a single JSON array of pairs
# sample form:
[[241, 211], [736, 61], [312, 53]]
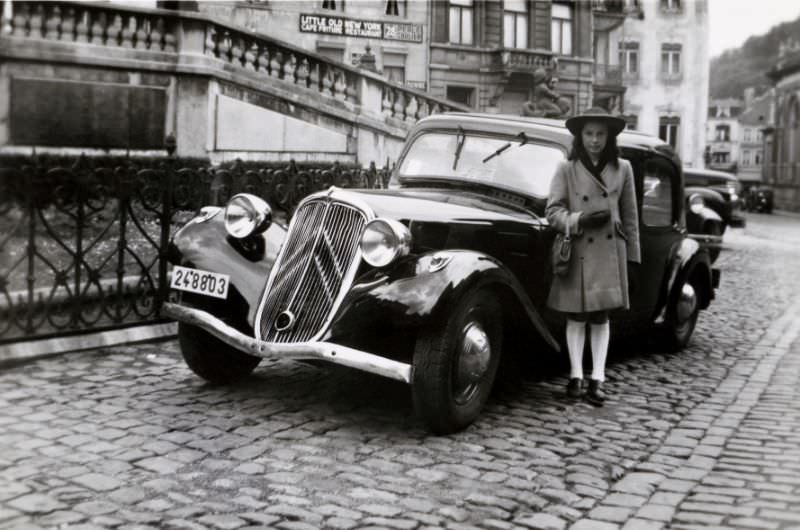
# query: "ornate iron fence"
[[83, 244]]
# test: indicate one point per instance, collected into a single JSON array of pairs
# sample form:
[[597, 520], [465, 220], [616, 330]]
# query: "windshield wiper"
[[523, 139], [460, 139]]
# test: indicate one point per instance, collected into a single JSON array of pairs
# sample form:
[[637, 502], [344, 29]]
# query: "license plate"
[[200, 282]]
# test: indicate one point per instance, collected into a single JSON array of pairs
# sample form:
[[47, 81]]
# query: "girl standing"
[[593, 194]]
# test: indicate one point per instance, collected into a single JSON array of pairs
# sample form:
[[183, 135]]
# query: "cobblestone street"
[[128, 437]]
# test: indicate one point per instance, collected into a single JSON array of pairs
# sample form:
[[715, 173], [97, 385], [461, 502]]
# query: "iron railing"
[[83, 245]]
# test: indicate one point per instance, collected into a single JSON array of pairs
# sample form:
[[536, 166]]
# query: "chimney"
[[749, 94]]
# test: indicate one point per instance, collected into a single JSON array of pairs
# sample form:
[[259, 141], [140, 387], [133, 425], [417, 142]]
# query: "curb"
[[24, 351]]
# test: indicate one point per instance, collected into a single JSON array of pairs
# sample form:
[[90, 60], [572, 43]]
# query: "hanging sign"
[[351, 27]]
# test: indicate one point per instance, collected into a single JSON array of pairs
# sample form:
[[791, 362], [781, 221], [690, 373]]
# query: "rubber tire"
[[434, 355], [212, 359], [677, 336]]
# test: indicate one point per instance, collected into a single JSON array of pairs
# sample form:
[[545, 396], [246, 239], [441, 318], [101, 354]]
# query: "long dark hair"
[[610, 154]]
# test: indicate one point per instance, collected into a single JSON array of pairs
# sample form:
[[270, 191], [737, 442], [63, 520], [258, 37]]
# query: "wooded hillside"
[[737, 69]]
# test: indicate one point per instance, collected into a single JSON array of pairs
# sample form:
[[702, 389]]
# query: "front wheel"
[[681, 318], [212, 359], [454, 367]]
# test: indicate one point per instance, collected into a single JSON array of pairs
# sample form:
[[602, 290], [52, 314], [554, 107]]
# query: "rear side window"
[[658, 197]]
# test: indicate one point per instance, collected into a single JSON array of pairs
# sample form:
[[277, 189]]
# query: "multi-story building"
[[752, 122], [485, 54], [664, 57], [489, 54], [723, 135], [782, 169]]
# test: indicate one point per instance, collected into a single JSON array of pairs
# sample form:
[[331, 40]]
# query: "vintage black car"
[[427, 281], [758, 197], [731, 210]]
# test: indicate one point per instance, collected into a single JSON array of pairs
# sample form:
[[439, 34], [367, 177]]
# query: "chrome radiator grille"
[[318, 261]]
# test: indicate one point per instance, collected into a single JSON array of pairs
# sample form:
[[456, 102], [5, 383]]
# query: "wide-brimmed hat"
[[615, 123]]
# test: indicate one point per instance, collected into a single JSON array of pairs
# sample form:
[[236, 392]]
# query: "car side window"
[[657, 196]]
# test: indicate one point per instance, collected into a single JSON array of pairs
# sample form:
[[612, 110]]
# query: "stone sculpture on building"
[[546, 102]]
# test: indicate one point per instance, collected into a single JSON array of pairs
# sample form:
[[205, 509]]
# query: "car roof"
[[709, 173], [550, 129]]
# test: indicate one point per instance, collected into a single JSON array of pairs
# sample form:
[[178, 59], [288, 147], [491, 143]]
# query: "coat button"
[[591, 240], [605, 194], [585, 198]]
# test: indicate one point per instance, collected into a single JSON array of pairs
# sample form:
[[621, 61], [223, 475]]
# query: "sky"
[[731, 22]]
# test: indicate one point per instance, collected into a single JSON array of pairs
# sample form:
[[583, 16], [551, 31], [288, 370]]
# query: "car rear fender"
[[689, 260], [422, 291]]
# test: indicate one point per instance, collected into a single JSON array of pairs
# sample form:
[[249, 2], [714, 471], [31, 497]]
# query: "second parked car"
[[731, 208]]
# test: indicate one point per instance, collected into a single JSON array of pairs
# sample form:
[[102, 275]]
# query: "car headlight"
[[383, 241], [247, 214], [696, 203]]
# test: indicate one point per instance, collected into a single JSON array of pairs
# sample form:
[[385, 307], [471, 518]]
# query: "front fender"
[[421, 291], [205, 245]]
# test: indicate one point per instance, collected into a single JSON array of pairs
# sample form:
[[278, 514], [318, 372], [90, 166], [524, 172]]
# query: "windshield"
[[526, 168]]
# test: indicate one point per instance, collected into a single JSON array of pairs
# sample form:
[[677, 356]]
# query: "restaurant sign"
[[350, 27]]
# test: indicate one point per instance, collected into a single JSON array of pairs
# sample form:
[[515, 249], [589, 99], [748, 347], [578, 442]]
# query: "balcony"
[[512, 60], [607, 75]]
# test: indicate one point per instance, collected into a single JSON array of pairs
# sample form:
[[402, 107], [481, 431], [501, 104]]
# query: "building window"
[[394, 67], [748, 134], [631, 121], [758, 158], [461, 21], [629, 57], [515, 23], [670, 5], [668, 130], [723, 133], [746, 157], [333, 4], [396, 8], [721, 158], [461, 94], [561, 29], [671, 59]]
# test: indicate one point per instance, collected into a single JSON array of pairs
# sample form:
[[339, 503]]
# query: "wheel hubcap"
[[687, 303], [474, 355]]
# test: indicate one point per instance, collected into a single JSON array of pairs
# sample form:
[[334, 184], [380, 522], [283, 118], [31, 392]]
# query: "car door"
[[659, 196]]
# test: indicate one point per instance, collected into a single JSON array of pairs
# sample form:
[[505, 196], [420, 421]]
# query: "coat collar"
[[607, 175]]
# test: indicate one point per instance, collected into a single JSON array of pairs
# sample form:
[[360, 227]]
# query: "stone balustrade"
[[181, 43]]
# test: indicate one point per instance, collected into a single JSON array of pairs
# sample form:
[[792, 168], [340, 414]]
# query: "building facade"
[[663, 52], [387, 36], [782, 169], [723, 134], [752, 122]]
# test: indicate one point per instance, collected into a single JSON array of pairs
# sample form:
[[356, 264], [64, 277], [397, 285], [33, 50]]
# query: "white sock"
[[600, 334], [576, 338]]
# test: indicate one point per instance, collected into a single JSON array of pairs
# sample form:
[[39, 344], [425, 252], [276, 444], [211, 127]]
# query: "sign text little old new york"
[[350, 27]]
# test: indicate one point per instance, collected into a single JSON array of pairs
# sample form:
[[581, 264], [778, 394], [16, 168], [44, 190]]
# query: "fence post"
[[167, 190]]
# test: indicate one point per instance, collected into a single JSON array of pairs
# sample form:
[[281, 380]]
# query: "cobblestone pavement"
[[127, 437]]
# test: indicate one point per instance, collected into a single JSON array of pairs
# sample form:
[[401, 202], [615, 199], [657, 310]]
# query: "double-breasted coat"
[[597, 277]]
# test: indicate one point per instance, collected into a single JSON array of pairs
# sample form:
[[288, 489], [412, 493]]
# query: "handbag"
[[561, 253]]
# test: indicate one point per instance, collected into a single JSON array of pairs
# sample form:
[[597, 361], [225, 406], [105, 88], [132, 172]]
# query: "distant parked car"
[[759, 197], [725, 184]]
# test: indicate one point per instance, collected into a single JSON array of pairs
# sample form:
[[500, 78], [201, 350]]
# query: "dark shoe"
[[595, 394], [575, 387]]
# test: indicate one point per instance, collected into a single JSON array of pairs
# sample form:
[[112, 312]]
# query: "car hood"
[[443, 206]]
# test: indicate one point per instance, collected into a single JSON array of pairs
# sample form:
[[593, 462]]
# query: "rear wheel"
[[681, 318], [212, 359], [455, 367]]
